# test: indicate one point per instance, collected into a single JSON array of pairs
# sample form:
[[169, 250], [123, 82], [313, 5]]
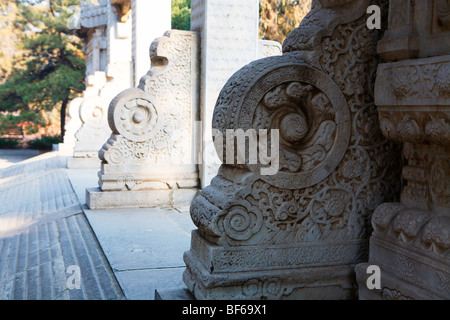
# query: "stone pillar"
[[229, 40], [410, 243], [164, 170], [92, 116], [72, 125], [298, 232], [116, 39], [151, 18], [93, 21], [149, 158]]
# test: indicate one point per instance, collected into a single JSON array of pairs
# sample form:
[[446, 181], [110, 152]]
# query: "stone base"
[[83, 163], [253, 273], [392, 288], [97, 199], [406, 273], [65, 149]]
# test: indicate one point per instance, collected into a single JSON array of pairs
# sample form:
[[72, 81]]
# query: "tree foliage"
[[42, 64], [181, 14], [51, 70], [10, 37], [280, 17]]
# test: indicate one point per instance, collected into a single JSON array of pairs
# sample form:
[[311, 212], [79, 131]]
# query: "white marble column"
[[229, 40], [151, 18]]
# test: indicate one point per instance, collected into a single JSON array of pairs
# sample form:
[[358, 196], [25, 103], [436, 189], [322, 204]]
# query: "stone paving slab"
[[11, 157], [45, 227], [141, 284], [137, 239], [144, 247], [43, 232]]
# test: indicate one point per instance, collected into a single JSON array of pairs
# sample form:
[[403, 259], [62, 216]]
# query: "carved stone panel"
[[283, 230], [411, 241], [151, 148]]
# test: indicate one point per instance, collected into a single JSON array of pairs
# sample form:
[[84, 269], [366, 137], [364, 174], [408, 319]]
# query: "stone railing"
[[298, 233], [149, 158]]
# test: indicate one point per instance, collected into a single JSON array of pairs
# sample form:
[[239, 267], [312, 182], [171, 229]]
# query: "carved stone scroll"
[[149, 158], [229, 40], [298, 233]]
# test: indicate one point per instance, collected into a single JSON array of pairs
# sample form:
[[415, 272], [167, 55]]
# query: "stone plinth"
[[298, 232], [410, 242], [149, 158]]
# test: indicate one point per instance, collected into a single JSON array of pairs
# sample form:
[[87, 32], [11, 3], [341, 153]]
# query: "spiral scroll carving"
[[133, 115], [307, 108], [240, 223], [92, 111]]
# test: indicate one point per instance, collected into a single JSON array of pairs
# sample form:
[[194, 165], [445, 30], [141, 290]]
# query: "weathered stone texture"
[[298, 233], [410, 242], [152, 145], [229, 40]]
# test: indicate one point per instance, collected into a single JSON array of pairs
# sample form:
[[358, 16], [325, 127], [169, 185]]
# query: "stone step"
[[43, 232]]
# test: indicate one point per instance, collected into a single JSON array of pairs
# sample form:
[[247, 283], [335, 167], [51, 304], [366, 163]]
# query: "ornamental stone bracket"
[[411, 242], [101, 88], [72, 126], [298, 234], [109, 70], [149, 159], [92, 15]]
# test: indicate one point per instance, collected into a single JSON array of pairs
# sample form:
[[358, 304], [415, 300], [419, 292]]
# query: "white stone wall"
[[150, 19], [118, 37], [229, 40]]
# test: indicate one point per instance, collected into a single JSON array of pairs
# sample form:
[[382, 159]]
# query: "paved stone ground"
[[45, 227], [11, 157], [143, 246], [43, 231]]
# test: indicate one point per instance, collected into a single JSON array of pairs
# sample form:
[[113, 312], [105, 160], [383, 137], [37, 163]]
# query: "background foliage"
[[42, 65], [279, 17], [49, 70], [181, 14]]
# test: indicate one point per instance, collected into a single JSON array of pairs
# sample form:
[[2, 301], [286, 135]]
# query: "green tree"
[[279, 17], [181, 14], [51, 71], [10, 36]]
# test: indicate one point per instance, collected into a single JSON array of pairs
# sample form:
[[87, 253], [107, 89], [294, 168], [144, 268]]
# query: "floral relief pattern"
[[336, 206]]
